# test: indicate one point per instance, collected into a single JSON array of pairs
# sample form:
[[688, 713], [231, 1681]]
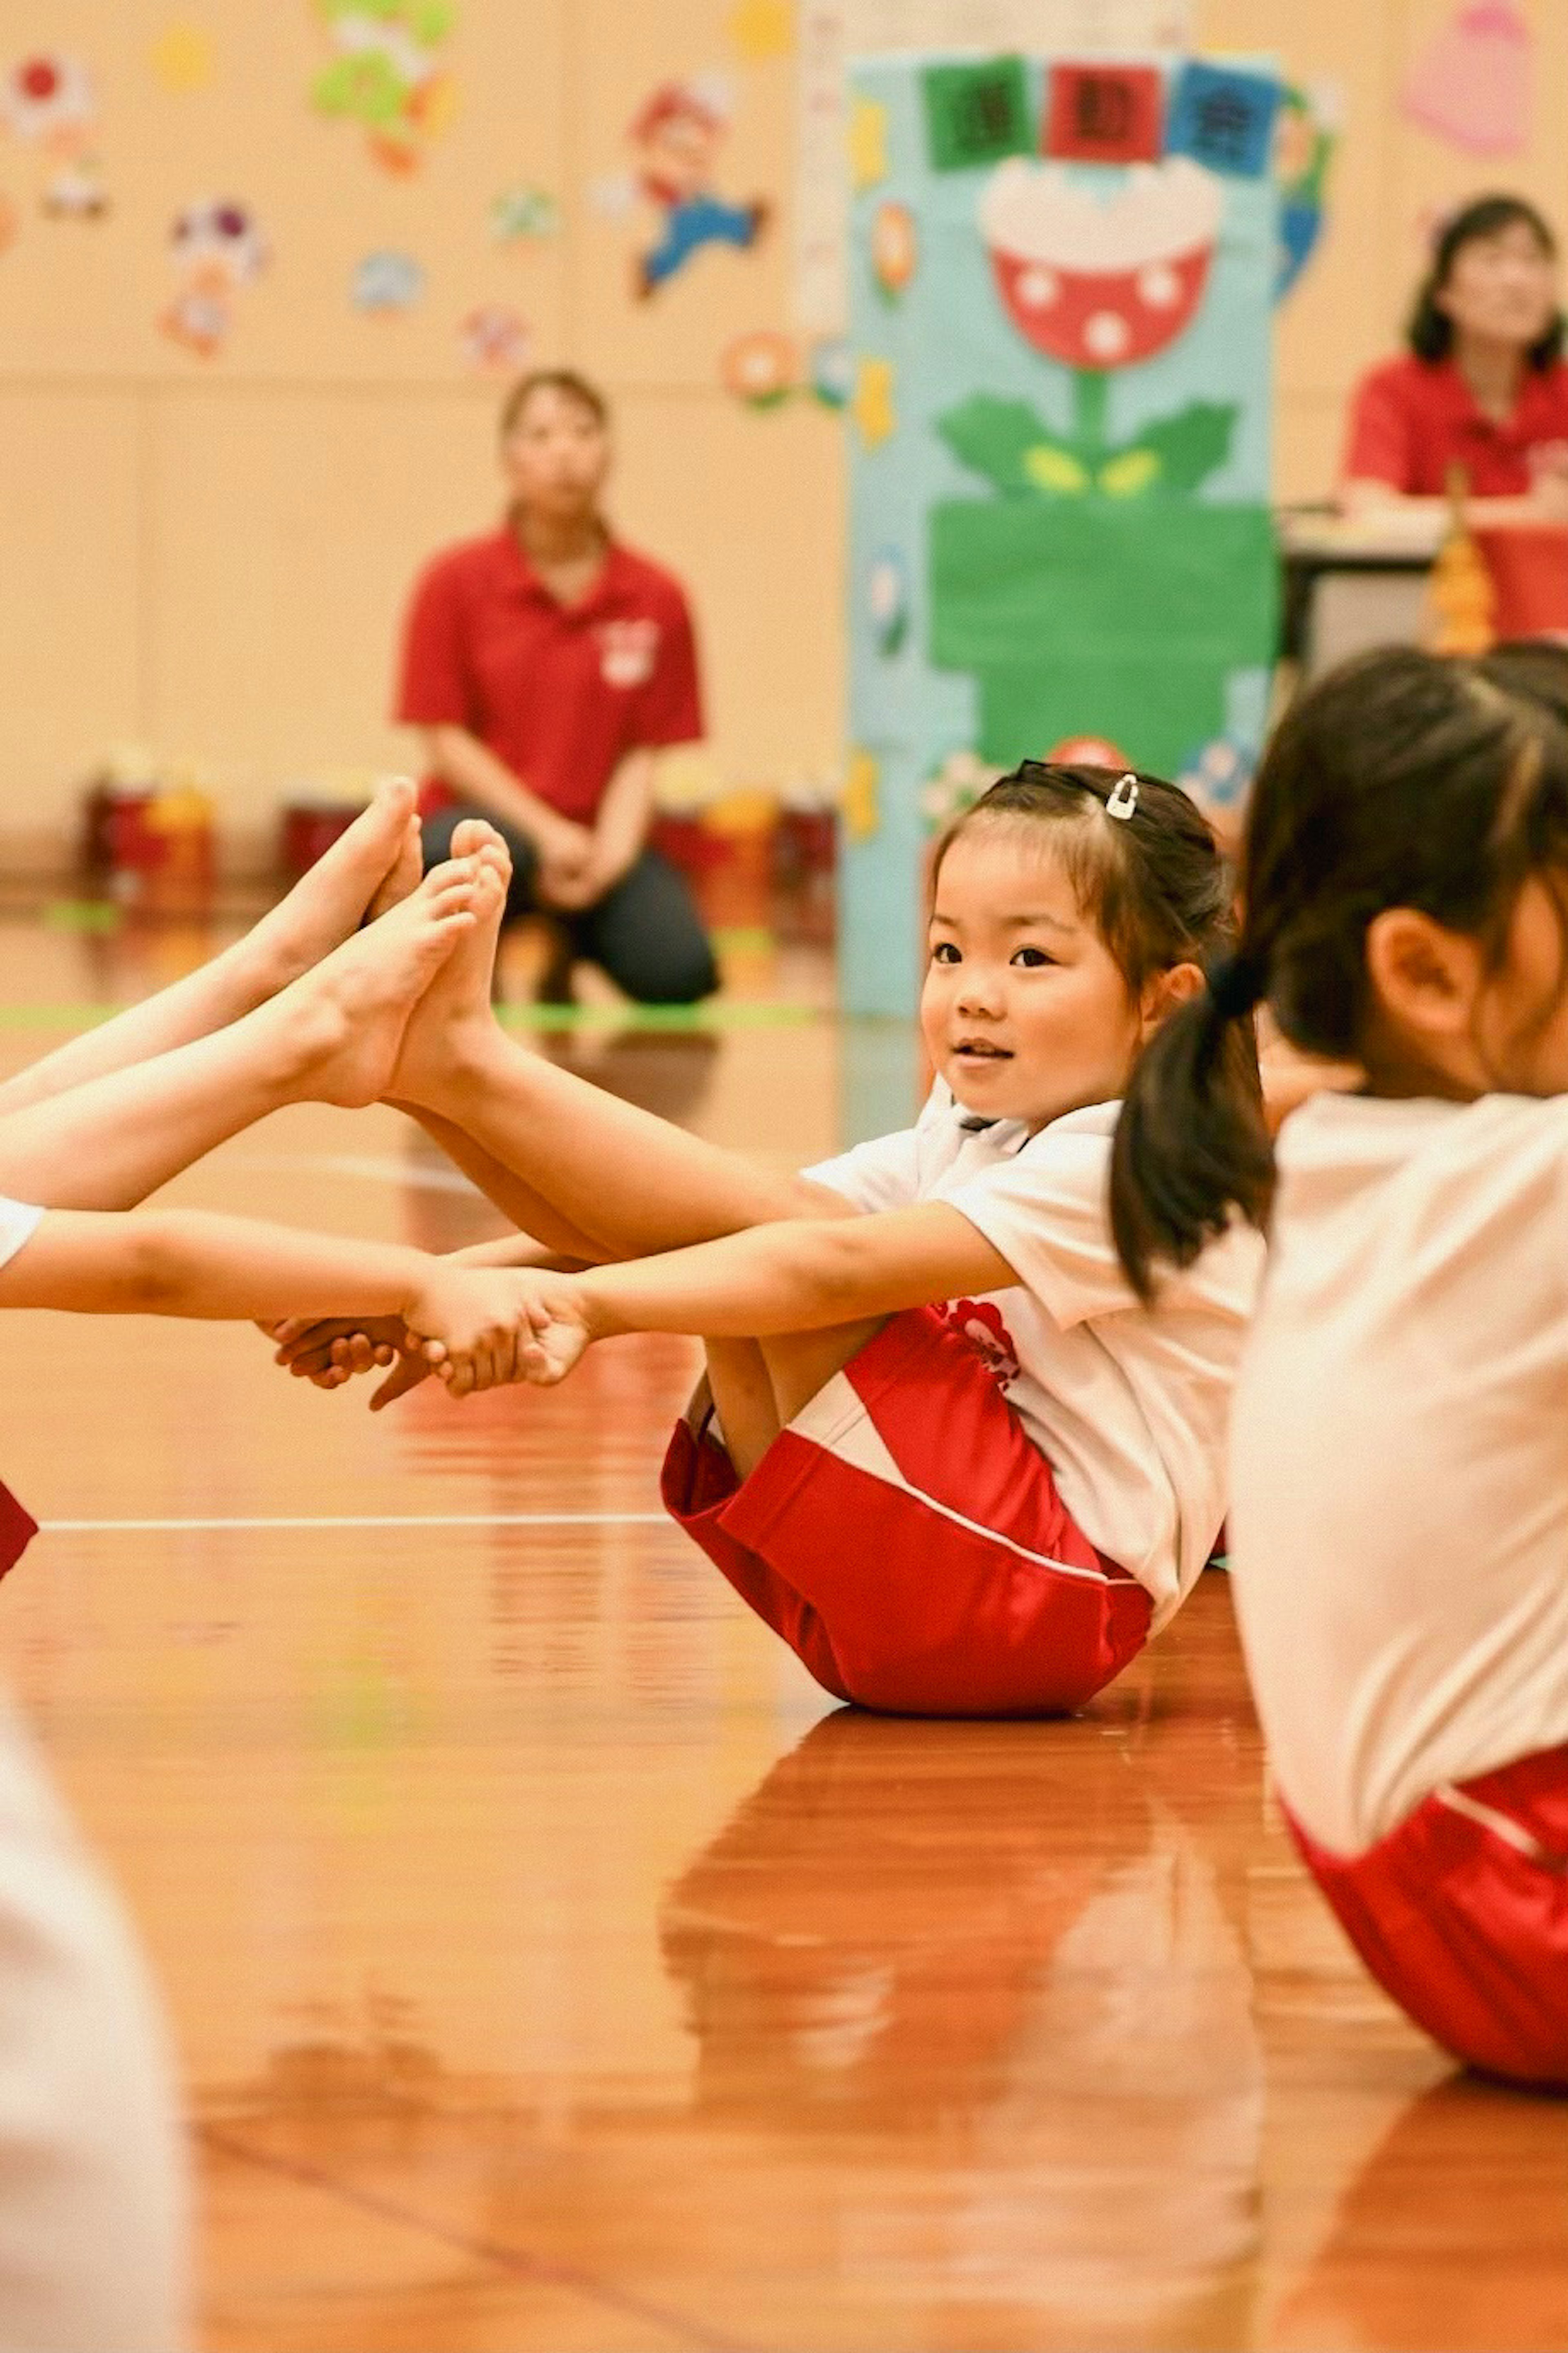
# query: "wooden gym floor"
[[552, 1967]]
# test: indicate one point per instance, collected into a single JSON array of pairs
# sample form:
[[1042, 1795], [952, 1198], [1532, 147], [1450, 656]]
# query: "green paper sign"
[[977, 114]]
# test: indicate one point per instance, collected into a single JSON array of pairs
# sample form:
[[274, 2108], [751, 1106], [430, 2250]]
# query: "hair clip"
[[1123, 801]]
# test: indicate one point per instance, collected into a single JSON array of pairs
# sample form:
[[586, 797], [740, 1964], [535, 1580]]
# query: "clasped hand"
[[473, 1328]]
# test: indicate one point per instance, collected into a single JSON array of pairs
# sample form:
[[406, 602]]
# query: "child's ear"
[[1423, 975], [1166, 991]]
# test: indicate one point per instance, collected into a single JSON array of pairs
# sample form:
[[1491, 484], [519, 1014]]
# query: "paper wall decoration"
[[862, 796], [831, 32], [678, 134], [868, 143], [388, 73], [495, 339], [759, 29], [833, 371], [1306, 135], [895, 249], [385, 284], [217, 249], [1105, 113], [520, 215], [763, 369], [976, 112], [1471, 84], [48, 101], [887, 601], [1223, 119], [1076, 475], [183, 58]]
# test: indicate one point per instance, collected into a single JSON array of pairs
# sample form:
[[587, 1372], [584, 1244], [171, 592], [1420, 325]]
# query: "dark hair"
[[1534, 668], [1156, 885], [1430, 333], [1397, 780], [563, 380]]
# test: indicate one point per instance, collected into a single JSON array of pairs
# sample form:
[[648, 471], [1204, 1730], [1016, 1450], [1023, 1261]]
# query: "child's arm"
[[801, 1275], [178, 1262]]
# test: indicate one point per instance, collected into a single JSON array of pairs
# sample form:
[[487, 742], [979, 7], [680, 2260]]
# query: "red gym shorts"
[[1461, 1915], [905, 1537]]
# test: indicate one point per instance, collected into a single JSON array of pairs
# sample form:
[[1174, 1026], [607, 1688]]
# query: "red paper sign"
[[1105, 114]]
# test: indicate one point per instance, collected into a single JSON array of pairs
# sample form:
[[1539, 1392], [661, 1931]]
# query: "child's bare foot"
[[376, 861], [346, 1017], [456, 1008]]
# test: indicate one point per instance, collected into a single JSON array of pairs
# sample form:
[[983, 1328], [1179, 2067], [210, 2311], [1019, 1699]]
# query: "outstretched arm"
[[804, 1275]]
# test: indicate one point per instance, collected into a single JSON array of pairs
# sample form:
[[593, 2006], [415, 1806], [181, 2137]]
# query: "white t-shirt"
[[1129, 1404], [19, 1224], [1399, 1512]]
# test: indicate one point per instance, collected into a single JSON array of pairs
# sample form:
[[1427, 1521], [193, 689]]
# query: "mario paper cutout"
[[1471, 85], [388, 73], [48, 100], [678, 135], [1105, 114], [217, 249]]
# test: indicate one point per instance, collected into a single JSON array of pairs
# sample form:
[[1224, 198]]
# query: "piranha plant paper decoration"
[[1075, 475]]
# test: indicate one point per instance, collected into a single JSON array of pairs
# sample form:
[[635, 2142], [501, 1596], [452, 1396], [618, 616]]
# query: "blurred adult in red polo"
[[1483, 387], [546, 664]]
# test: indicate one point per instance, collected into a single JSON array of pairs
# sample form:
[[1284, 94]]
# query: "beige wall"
[[210, 555]]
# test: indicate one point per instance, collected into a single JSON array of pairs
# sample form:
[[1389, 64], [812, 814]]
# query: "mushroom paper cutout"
[[217, 249], [48, 100], [1471, 85]]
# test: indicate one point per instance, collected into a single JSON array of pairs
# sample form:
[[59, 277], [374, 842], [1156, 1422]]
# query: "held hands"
[[474, 1328], [484, 1327]]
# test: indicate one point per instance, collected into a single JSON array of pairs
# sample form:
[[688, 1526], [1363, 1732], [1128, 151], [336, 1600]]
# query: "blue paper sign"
[[1223, 119]]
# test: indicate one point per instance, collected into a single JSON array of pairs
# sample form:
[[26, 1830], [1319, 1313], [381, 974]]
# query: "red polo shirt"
[[1412, 419], [560, 692]]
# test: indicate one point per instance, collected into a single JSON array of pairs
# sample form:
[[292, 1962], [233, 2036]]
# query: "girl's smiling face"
[[1025, 1011]]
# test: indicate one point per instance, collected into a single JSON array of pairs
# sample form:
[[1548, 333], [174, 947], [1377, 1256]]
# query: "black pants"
[[646, 931]]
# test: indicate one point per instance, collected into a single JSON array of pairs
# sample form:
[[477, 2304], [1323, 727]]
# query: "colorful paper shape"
[[1305, 137], [387, 75], [759, 29], [495, 339], [1100, 285], [1223, 119], [761, 369], [1471, 85], [183, 58], [217, 248], [832, 371], [386, 283], [677, 134], [1105, 114], [873, 407], [867, 137], [895, 249], [976, 114], [522, 214], [49, 100], [887, 601], [862, 796]]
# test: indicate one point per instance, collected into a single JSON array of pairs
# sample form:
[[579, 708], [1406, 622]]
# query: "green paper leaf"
[[1188, 446], [994, 438]]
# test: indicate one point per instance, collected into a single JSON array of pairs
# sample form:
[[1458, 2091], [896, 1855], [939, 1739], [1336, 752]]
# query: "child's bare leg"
[[760, 1386], [621, 1178], [379, 851], [332, 1036]]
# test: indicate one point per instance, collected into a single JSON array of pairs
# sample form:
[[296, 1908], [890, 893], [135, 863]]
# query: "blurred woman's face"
[[556, 456], [1502, 288]]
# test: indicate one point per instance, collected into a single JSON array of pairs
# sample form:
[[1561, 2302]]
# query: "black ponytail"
[[1397, 780], [1191, 1144]]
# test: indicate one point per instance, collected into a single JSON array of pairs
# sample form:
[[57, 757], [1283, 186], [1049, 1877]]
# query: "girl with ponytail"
[[1399, 1489]]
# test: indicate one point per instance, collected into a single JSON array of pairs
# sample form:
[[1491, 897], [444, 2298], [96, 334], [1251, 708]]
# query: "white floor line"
[[389, 1520]]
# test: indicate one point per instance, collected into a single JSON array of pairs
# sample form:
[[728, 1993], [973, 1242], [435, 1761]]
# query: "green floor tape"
[[742, 1015]]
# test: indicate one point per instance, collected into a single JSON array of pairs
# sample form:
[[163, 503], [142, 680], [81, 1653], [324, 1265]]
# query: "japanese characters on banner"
[[1061, 274]]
